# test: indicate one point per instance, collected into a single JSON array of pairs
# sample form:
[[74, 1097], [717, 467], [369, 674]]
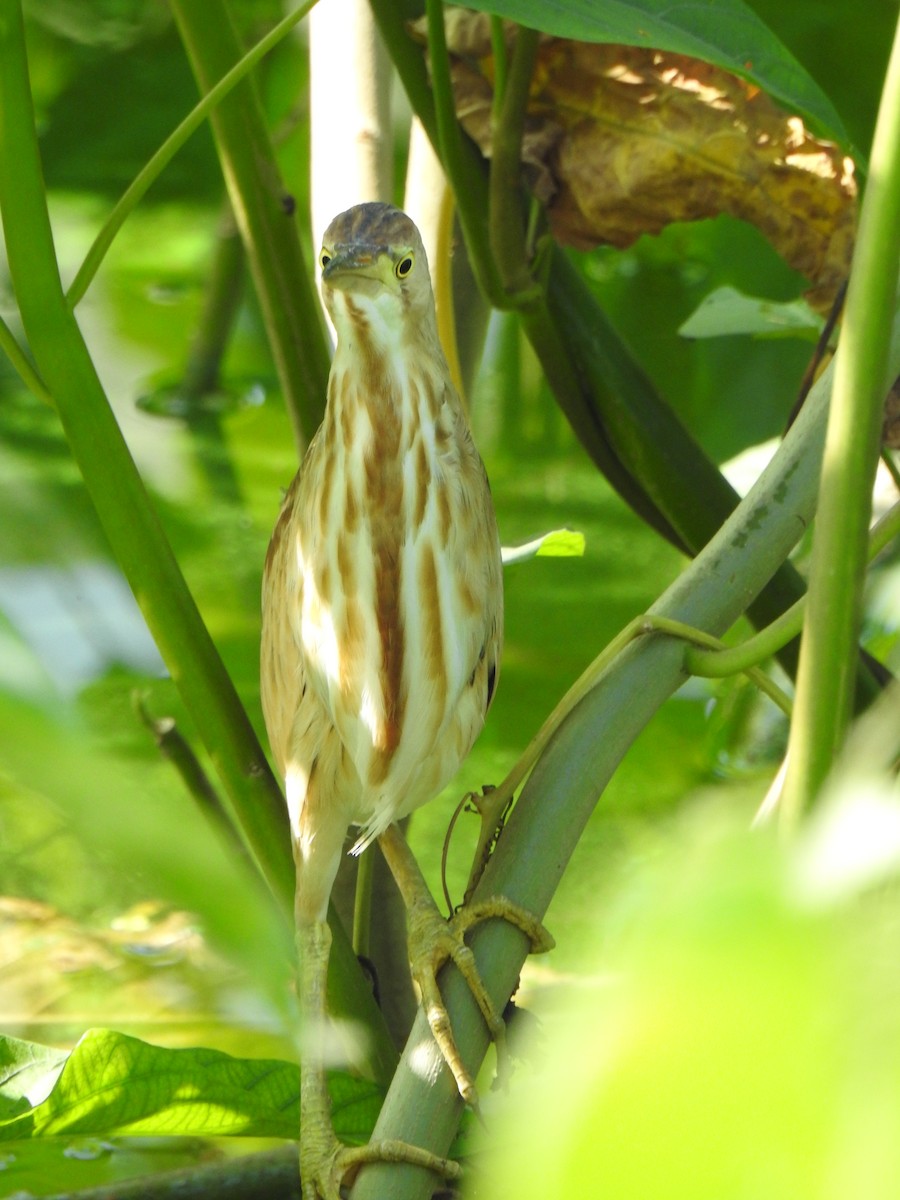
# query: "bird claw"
[[325, 1162], [321, 1174], [434, 941]]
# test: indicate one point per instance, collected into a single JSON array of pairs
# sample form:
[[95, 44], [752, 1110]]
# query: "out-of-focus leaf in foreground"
[[621, 141], [744, 1036]]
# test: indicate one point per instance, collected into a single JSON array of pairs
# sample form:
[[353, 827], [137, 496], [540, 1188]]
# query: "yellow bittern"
[[382, 629]]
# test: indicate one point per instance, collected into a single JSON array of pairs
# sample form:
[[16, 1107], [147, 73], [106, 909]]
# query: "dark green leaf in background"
[[727, 311]]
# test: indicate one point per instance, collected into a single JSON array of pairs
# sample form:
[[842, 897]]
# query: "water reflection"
[[77, 621]]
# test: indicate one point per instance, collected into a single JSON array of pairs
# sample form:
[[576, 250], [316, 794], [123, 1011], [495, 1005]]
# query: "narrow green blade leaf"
[[558, 543], [117, 1085], [727, 311], [724, 32]]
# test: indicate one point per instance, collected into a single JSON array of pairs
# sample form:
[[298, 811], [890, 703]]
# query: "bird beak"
[[354, 259]]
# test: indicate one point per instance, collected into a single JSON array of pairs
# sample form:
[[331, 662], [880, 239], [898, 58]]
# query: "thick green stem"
[[264, 213], [501, 65], [362, 906], [506, 201], [837, 570], [132, 527], [718, 664], [459, 156]]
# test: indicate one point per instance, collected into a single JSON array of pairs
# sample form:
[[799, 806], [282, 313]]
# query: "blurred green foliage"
[[738, 1035]]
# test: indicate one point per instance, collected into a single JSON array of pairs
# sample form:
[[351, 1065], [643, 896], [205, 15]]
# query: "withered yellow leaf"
[[622, 141], [890, 432]]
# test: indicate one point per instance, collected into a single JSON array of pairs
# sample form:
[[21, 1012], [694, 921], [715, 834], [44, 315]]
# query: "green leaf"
[[724, 32], [727, 311], [117, 1085], [27, 1073], [558, 543]]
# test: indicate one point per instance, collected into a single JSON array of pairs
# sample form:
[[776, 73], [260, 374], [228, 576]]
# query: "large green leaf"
[[117, 1085], [27, 1071], [724, 32]]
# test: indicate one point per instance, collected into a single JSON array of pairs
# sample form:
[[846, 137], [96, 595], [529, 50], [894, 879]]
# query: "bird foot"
[[433, 941], [326, 1163]]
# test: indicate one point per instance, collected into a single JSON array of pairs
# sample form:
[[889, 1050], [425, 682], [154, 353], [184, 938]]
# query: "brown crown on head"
[[374, 224]]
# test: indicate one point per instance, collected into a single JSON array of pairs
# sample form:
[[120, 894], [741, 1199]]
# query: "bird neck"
[[386, 382]]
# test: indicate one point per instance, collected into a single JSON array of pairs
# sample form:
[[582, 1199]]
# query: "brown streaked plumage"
[[391, 492], [382, 604]]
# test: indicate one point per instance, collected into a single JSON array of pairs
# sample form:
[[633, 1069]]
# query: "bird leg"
[[325, 1162], [433, 941]]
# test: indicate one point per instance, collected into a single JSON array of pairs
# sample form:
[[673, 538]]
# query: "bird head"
[[373, 265]]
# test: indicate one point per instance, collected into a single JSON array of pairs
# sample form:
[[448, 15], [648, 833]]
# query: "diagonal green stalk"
[[717, 664], [223, 293], [151, 171], [837, 569], [264, 214], [493, 805], [132, 527], [22, 364], [174, 746]]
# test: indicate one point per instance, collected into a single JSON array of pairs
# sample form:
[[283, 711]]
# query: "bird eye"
[[324, 259], [404, 266]]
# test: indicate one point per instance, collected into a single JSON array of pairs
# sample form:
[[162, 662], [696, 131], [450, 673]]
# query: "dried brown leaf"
[[622, 141], [890, 432]]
